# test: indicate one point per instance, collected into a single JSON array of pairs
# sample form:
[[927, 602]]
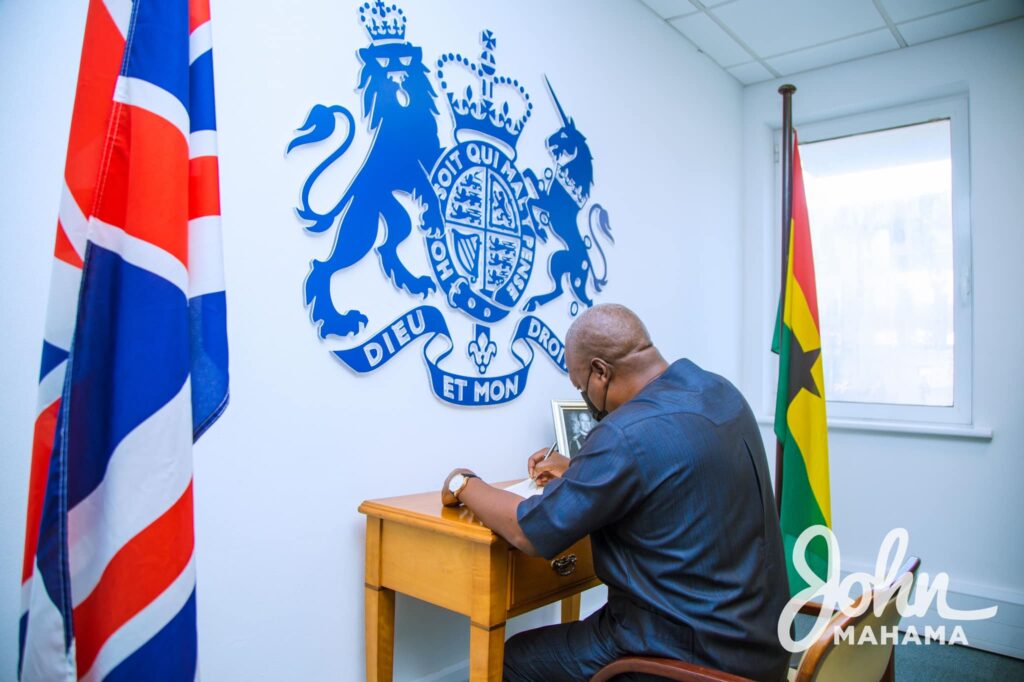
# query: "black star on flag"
[[800, 364]]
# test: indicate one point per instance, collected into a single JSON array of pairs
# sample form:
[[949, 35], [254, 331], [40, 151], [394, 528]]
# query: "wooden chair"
[[824, 661]]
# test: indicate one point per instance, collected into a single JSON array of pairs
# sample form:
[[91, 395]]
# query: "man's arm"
[[496, 508]]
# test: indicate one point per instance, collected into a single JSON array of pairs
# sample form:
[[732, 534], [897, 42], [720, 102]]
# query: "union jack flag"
[[134, 361]]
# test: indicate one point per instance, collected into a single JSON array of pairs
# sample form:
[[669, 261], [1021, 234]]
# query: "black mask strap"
[[597, 414]]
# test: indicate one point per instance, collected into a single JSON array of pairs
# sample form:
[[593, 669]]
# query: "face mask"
[[597, 414]]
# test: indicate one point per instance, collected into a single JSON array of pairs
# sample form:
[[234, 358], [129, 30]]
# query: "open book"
[[525, 488]]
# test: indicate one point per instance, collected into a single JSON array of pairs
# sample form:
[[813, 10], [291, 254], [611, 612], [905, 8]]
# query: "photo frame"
[[573, 422]]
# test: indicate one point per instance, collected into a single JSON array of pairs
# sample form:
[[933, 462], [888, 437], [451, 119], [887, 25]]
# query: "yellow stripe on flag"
[[806, 415]]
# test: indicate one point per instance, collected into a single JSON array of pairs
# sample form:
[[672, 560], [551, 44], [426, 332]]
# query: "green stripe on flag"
[[799, 512]]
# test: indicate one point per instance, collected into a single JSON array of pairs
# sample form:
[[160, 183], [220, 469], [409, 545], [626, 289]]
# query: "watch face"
[[456, 483]]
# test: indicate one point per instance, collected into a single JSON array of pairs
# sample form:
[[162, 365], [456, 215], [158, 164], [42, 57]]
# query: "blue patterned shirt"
[[673, 488]]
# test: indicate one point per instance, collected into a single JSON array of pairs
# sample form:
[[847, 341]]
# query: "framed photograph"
[[572, 424]]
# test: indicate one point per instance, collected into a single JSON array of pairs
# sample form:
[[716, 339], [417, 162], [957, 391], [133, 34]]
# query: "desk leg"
[[571, 608], [380, 633], [380, 610], [486, 653], [487, 613]]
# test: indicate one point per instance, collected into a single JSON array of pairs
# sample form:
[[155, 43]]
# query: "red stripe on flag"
[[63, 249], [203, 190], [138, 574], [145, 185], [803, 254], [42, 448], [102, 52], [198, 13]]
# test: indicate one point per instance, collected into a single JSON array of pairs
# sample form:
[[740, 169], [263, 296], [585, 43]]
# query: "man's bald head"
[[608, 331], [609, 353]]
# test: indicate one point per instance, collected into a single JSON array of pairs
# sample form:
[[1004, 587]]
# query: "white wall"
[[278, 479], [960, 499]]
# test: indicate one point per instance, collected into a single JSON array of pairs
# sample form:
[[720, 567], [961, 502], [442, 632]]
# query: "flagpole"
[[786, 91]]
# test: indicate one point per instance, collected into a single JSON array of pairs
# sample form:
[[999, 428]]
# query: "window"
[[887, 196]]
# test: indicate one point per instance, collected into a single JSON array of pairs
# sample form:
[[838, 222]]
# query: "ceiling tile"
[[751, 72], [832, 53], [711, 39], [904, 10], [771, 27], [667, 9], [960, 20]]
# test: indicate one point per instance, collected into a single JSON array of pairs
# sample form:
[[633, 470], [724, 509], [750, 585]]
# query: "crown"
[[499, 106], [382, 22]]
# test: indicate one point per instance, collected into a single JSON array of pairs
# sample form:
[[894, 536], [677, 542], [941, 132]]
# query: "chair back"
[[832, 659]]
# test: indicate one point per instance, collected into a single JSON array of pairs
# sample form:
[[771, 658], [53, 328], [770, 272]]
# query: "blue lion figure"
[[559, 201], [398, 100]]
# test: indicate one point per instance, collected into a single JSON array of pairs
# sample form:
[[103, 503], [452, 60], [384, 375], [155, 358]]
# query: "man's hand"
[[447, 498], [543, 470]]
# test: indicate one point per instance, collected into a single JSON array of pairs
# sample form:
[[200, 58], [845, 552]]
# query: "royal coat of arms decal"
[[481, 217]]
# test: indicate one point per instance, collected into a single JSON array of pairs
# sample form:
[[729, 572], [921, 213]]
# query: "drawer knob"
[[565, 565]]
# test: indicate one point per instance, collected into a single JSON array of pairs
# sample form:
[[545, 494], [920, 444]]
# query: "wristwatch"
[[458, 483]]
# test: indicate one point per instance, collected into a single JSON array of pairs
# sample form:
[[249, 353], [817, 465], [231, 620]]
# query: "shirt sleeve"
[[600, 486]]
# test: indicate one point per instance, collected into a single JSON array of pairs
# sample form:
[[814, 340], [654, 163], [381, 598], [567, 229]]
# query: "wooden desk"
[[448, 558]]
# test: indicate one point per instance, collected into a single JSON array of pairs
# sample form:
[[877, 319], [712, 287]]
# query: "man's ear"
[[601, 368]]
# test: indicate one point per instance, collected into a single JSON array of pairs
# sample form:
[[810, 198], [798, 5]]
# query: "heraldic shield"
[[482, 219]]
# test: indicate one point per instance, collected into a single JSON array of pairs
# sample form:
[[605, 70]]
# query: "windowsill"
[[967, 431]]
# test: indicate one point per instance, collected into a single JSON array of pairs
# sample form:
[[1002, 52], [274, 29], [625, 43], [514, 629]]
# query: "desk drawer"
[[534, 581]]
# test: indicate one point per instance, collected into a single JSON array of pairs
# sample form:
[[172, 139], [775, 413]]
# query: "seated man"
[[672, 486]]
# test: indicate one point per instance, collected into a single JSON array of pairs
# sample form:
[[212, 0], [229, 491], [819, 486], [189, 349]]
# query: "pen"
[[546, 456]]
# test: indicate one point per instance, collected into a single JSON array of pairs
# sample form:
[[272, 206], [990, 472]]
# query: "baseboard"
[[457, 672], [1003, 634]]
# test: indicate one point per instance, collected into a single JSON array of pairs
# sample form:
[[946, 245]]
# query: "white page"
[[525, 488]]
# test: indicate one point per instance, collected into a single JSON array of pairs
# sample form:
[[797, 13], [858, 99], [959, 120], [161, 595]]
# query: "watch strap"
[[465, 482]]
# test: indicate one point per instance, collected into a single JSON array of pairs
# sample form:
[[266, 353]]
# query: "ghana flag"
[[800, 402]]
